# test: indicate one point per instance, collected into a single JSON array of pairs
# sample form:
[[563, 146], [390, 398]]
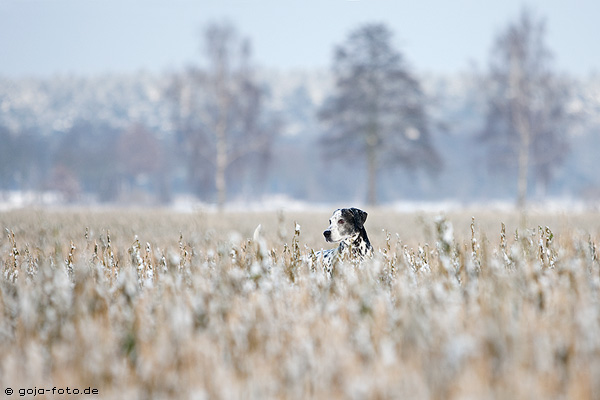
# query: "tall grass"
[[163, 305]]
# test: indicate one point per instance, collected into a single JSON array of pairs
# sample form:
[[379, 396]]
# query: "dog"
[[346, 227]]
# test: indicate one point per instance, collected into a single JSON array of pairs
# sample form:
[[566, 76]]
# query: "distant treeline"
[[230, 131]]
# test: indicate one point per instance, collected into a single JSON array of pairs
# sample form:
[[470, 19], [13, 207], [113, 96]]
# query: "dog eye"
[[341, 221]]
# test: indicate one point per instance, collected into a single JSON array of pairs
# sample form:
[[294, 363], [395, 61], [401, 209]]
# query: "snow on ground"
[[12, 200]]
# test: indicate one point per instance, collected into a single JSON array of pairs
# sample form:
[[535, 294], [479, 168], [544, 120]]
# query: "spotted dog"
[[346, 227]]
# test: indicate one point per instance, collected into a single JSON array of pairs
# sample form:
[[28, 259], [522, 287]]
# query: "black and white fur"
[[346, 227]]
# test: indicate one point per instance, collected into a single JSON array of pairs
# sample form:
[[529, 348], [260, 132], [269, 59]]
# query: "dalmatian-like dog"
[[346, 227]]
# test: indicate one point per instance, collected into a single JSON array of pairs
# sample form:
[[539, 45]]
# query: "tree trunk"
[[222, 79], [372, 177], [221, 165], [520, 116], [372, 167], [523, 165], [222, 158]]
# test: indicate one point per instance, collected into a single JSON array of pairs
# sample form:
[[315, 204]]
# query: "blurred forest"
[[227, 130]]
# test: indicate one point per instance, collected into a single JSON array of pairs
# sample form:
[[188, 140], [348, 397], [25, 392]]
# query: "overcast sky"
[[44, 37]]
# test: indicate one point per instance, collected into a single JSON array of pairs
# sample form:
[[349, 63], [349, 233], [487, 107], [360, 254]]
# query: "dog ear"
[[359, 216]]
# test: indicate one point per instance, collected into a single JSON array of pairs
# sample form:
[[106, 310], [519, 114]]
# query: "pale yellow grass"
[[156, 304]]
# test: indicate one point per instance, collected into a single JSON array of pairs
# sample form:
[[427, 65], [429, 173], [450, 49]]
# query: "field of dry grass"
[[158, 305]]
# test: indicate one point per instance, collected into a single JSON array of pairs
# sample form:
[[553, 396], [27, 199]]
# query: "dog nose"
[[327, 234]]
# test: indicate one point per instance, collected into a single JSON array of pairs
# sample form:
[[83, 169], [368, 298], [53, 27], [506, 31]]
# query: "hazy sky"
[[43, 37]]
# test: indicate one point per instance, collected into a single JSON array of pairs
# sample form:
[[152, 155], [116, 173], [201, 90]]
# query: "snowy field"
[[184, 304]]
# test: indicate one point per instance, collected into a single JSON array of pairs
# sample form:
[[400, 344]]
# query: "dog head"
[[345, 223]]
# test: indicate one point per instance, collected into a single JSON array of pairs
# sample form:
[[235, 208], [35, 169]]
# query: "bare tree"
[[527, 115], [87, 150], [140, 154], [377, 112], [219, 111]]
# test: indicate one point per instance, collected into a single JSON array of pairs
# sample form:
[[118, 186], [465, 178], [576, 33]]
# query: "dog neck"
[[359, 243]]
